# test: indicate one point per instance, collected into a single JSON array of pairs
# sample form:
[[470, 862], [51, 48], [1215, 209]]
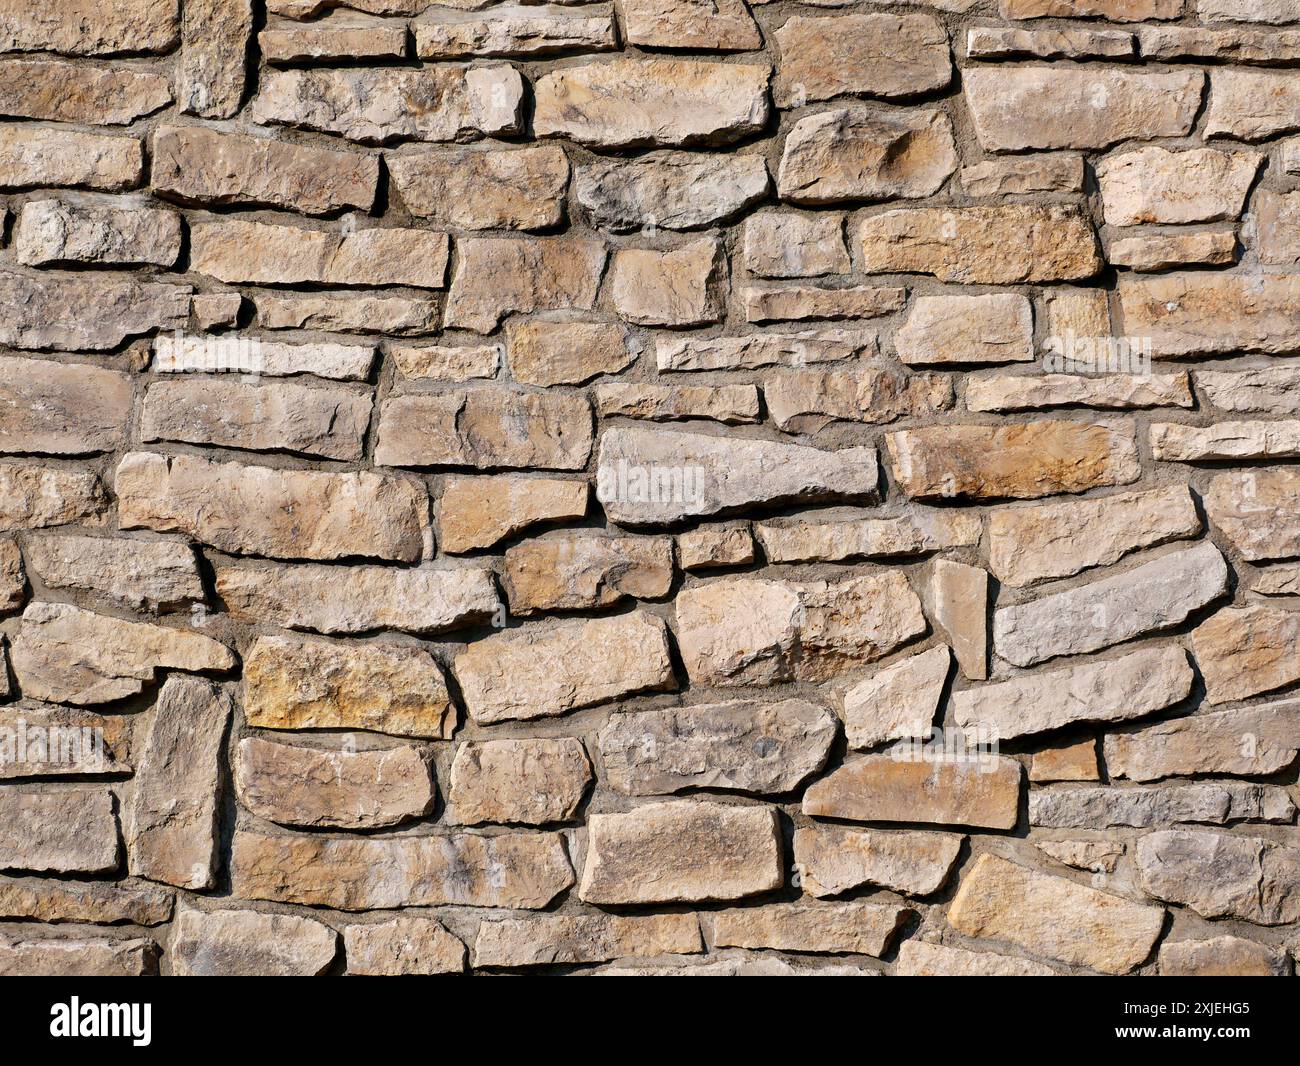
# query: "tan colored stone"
[[998, 328], [919, 959], [833, 859], [216, 310], [378, 872], [1272, 11], [803, 302], [1023, 392], [898, 702], [526, 782], [545, 671], [260, 510], [499, 275], [1271, 390], [665, 403], [1221, 956], [1184, 314], [511, 30], [712, 546], [643, 102], [812, 539], [762, 349], [215, 38], [58, 829], [103, 902], [290, 683], [853, 154], [1151, 252], [1068, 762], [577, 938], [740, 964], [1154, 184], [442, 362], [1244, 651], [34, 497], [1178, 442], [49, 740], [342, 362], [1196, 42], [1114, 10], [679, 287], [794, 244], [565, 353], [99, 956], [573, 571], [1256, 510], [1060, 172], [1280, 580], [804, 401], [477, 512], [405, 945], [33, 156], [750, 631], [93, 314], [1111, 690], [959, 596], [340, 35], [859, 927], [57, 90], [61, 408], [469, 188], [88, 27], [1098, 856], [51, 232], [1077, 312], [156, 575], [1105, 806], [1002, 42], [13, 579], [669, 190], [1054, 916], [244, 943], [716, 25], [681, 851], [1252, 105]]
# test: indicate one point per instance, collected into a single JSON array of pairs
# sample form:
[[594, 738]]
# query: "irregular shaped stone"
[[1248, 741], [64, 654], [577, 938], [1006, 244], [48, 740], [290, 683], [801, 302], [1022, 392], [1274, 11], [1000, 42], [897, 702], [402, 946], [216, 310], [1177, 442], [1113, 690], [400, 315], [444, 362], [1280, 580], [477, 512], [1268, 390], [575, 571], [1221, 876], [566, 353], [13, 579], [738, 964], [1252, 105], [1186, 314], [380, 105], [85, 957], [58, 829], [915, 532], [334, 788], [516, 870], [1151, 252], [485, 428], [681, 851], [1244, 46], [750, 631], [540, 672], [794, 244], [998, 328], [824, 57], [60, 91], [469, 188], [499, 275], [653, 477], [959, 596], [260, 510], [243, 943], [1154, 184], [102, 902], [86, 27], [1069, 106], [62, 408], [859, 927], [677, 288], [38, 156], [1221, 956], [528, 782], [805, 401], [1114, 10], [1243, 651], [34, 497], [197, 165], [762, 349], [357, 599], [1025, 461], [1257, 511], [1206, 801], [919, 959], [329, 421], [1069, 762], [51, 232], [342, 35], [716, 25], [1151, 597], [1031, 544], [1054, 916], [156, 575], [666, 403], [669, 190], [1099, 856], [342, 362], [979, 791], [850, 154], [92, 314], [642, 102], [510, 30], [833, 859], [743, 746], [1060, 172]]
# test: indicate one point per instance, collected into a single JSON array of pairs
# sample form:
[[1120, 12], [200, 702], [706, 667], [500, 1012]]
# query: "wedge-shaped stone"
[[1025, 461], [641, 102], [1068, 106], [794, 244], [654, 477], [399, 315], [1258, 511], [13, 579], [499, 275], [379, 105], [474, 189], [859, 927], [1187, 314], [33, 497], [197, 165], [58, 829], [291, 683], [89, 28], [1280, 580], [511, 30], [549, 939], [341, 788], [340, 35], [672, 190], [91, 314], [62, 408], [762, 349], [959, 599], [805, 401], [50, 232], [824, 57], [1221, 956], [1243, 651], [750, 631], [897, 702], [1054, 916], [666, 403], [979, 791], [916, 532], [244, 943], [576, 571], [485, 428], [101, 902], [1181, 443], [1099, 856], [356, 599], [170, 820], [64, 654], [1156, 185], [1271, 390], [1248, 741], [745, 746], [545, 671], [34, 156], [477, 512], [545, 353], [1112, 690], [402, 946], [1024, 392], [851, 154], [718, 25], [1252, 105], [357, 873], [529, 782], [919, 959], [97, 956], [1059, 172], [266, 511], [1151, 597], [998, 328], [342, 362], [681, 851], [1221, 876], [1206, 801], [328, 421], [1006, 244], [832, 859]]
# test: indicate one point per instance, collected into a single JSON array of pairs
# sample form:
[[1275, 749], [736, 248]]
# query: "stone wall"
[[680, 486]]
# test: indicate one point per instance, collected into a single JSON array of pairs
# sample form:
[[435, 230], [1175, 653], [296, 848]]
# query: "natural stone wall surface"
[[666, 486]]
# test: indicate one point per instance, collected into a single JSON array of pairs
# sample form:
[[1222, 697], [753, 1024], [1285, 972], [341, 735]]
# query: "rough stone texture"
[[32, 156], [564, 572], [89, 28], [916, 958], [474, 189], [1243, 651], [529, 782], [103, 902], [719, 25], [58, 829], [402, 946], [762, 349], [86, 957], [1070, 762], [557, 938], [811, 538], [1255, 510], [338, 35], [673, 190], [898, 702], [51, 232], [61, 408], [1157, 185], [1221, 956], [833, 859], [1079, 808], [959, 595], [507, 30], [1025, 392], [1187, 314], [62, 311], [857, 927], [809, 400], [676, 288], [792, 244], [228, 943]]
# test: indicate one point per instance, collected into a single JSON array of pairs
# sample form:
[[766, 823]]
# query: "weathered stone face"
[[62, 408], [402, 946], [673, 190], [1221, 956], [528, 782], [67, 312], [810, 538], [79, 27], [1075, 808], [832, 859], [588, 938], [58, 829], [916, 958], [859, 927], [51, 232], [230, 942], [498, 275], [1156, 185], [1243, 651], [84, 957], [573, 572], [808, 400], [898, 702]]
